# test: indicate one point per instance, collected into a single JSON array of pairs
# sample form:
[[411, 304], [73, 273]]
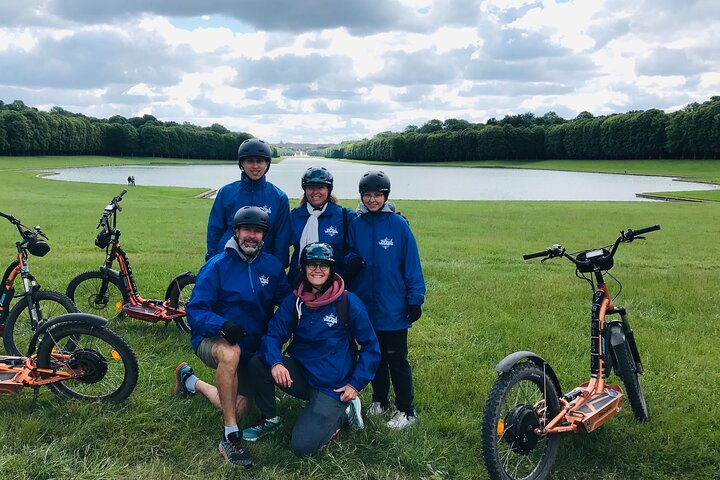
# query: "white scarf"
[[310, 233]]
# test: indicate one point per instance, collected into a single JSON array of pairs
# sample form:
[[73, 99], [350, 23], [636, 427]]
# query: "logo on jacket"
[[264, 280], [331, 231], [386, 243], [330, 320], [266, 209]]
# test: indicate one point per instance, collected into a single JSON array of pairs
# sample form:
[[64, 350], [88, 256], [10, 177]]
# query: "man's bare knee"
[[225, 354]]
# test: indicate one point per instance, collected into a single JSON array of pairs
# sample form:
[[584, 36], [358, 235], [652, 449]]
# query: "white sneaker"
[[354, 414], [376, 409], [401, 420]]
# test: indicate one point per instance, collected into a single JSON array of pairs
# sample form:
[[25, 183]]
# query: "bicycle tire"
[[84, 289], [178, 298], [627, 371], [19, 326], [509, 451], [110, 365]]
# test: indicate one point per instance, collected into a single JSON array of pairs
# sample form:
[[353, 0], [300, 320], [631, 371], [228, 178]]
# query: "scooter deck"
[[600, 408]]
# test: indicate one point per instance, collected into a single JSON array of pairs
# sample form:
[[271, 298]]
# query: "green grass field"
[[483, 302]]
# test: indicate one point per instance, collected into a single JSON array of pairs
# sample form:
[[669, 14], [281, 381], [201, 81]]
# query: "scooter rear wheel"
[[519, 401], [179, 297]]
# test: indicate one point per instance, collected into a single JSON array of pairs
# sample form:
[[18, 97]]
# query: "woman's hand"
[[347, 393], [281, 375]]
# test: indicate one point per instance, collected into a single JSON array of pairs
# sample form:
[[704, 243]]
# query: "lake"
[[408, 182]]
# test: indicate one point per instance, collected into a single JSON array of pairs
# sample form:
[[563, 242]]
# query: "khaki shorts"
[[204, 353]]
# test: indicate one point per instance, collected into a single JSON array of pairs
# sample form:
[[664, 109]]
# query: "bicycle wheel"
[[520, 401], [627, 371], [179, 297], [22, 321], [109, 366], [98, 294]]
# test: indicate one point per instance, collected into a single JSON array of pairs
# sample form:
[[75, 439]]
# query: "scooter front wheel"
[[627, 371], [521, 400]]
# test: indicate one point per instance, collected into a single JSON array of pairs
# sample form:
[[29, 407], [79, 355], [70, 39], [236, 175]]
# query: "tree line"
[[27, 131], [692, 132]]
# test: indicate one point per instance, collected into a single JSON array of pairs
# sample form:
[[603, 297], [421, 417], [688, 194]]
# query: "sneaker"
[[401, 420], [354, 414], [182, 372], [264, 427], [376, 409], [232, 450]]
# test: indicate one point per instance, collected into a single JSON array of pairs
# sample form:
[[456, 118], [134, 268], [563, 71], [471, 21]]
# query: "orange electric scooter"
[[526, 412]]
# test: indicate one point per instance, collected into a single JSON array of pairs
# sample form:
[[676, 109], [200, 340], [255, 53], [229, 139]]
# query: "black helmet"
[[251, 217], [254, 147], [317, 176], [375, 181], [318, 252]]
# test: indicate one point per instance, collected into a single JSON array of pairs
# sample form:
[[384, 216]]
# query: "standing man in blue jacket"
[[231, 303], [254, 157], [387, 276]]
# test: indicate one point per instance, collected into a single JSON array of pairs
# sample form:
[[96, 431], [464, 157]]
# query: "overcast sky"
[[323, 71]]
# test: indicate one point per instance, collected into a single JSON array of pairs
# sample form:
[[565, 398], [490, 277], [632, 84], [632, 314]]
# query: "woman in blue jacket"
[[388, 278], [323, 365], [319, 218]]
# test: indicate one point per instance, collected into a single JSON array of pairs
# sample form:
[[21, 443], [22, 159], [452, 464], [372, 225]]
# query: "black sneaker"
[[231, 448]]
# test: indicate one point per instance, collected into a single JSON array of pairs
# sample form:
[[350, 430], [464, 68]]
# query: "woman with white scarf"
[[319, 218]]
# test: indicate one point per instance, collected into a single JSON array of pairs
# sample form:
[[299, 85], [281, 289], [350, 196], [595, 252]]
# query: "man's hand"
[[414, 312], [232, 332], [281, 375], [347, 393]]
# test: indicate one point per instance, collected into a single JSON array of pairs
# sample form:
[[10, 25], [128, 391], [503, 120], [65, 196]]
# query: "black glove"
[[414, 312], [232, 332], [354, 266]]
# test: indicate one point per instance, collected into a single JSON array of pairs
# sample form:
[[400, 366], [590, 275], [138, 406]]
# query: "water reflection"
[[408, 182]]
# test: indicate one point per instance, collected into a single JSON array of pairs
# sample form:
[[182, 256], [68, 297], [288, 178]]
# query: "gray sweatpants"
[[321, 418]]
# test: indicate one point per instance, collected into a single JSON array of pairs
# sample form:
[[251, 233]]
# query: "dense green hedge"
[[693, 132]]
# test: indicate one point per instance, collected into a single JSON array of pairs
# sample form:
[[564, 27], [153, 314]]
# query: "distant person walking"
[[252, 189], [130, 180]]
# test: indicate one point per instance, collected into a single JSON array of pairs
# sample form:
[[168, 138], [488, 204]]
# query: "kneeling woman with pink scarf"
[[323, 365]]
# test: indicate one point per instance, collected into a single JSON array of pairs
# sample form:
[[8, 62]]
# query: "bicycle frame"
[[594, 402], [17, 267], [17, 373]]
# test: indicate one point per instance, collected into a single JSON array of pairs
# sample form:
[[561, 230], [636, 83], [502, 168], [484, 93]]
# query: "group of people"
[[344, 300], [131, 180]]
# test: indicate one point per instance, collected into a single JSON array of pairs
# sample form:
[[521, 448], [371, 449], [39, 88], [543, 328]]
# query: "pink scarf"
[[313, 301]]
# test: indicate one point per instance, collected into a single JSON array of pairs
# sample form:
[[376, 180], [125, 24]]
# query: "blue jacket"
[[321, 344], [245, 192], [230, 289], [392, 277], [331, 230]]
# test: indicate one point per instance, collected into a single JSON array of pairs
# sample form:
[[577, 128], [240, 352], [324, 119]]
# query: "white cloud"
[[327, 71]]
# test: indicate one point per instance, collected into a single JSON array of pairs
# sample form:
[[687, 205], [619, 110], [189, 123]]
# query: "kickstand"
[[36, 394]]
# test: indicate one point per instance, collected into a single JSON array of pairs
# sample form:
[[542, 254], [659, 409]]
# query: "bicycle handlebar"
[[625, 237], [111, 208], [10, 218]]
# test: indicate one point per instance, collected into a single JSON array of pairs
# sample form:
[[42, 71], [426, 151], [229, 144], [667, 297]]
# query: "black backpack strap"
[[343, 308], [345, 228]]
